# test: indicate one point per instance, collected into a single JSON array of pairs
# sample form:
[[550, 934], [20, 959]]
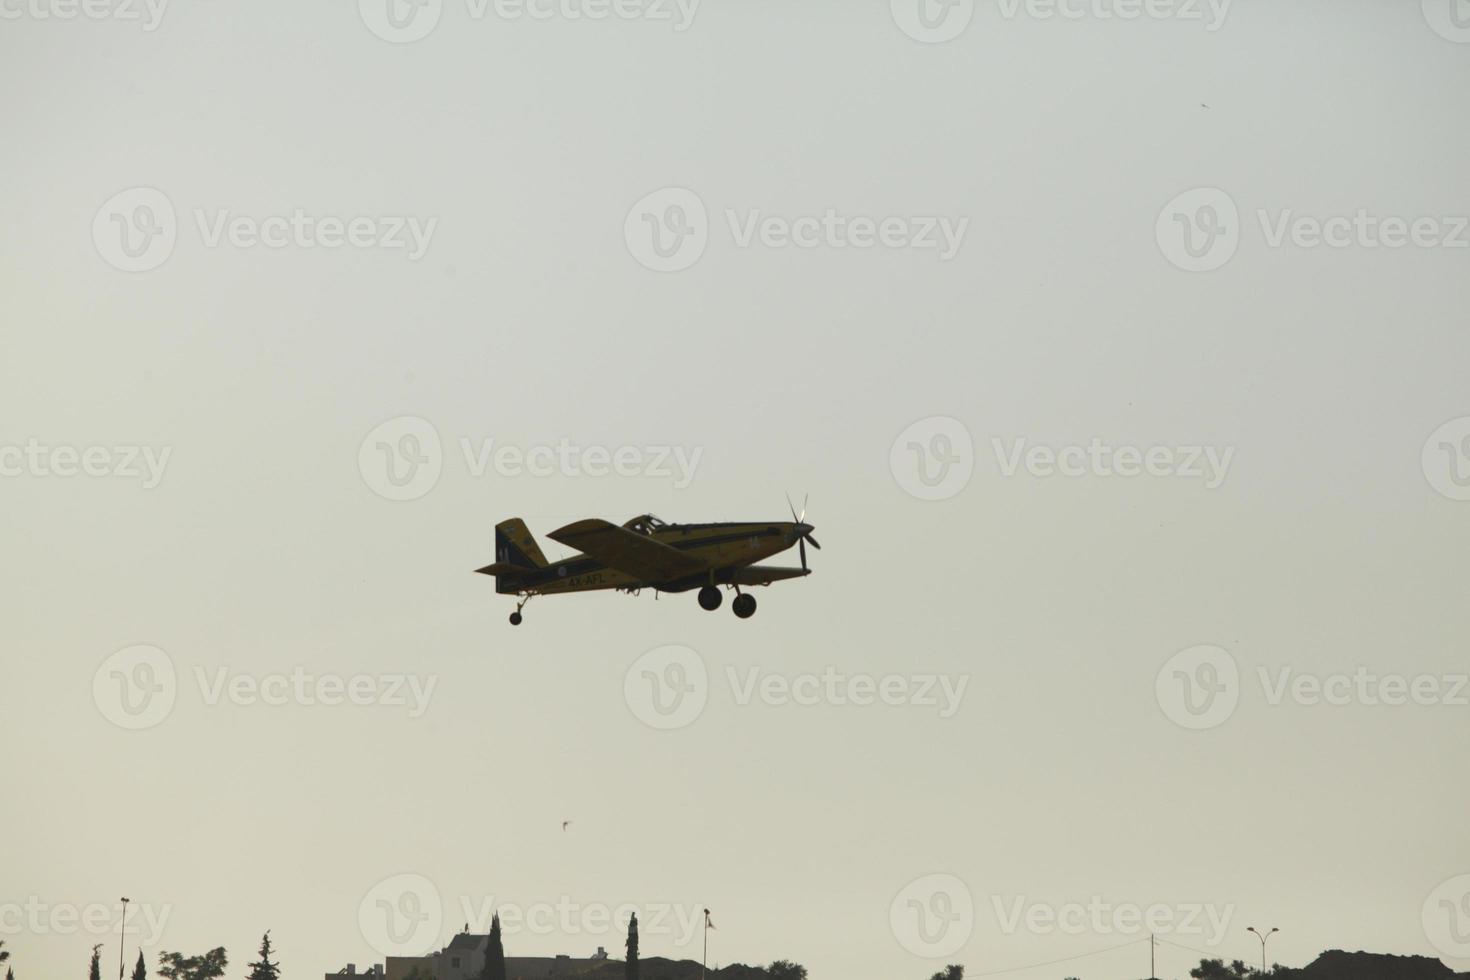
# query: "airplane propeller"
[[803, 529]]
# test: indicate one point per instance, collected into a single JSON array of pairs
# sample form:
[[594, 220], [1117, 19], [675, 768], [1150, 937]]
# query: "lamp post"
[[1262, 937], [704, 959], [122, 938]]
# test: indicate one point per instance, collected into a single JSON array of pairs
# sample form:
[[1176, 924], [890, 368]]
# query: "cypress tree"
[[140, 972], [494, 966], [630, 965]]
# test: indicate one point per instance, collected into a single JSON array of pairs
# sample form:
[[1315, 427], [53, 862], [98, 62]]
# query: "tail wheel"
[[515, 618], [744, 606], [710, 598]]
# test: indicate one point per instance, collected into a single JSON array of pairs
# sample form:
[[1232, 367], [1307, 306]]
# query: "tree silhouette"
[[94, 972], [207, 966], [952, 972], [1217, 970], [140, 972], [630, 965], [786, 970], [494, 966], [265, 969]]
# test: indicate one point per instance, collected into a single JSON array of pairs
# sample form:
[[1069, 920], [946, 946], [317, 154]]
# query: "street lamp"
[[1262, 937], [122, 939], [705, 958]]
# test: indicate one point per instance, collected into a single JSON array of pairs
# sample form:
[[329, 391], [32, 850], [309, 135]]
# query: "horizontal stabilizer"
[[504, 568]]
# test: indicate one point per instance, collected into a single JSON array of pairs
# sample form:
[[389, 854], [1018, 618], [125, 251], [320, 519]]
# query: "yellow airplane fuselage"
[[722, 549]]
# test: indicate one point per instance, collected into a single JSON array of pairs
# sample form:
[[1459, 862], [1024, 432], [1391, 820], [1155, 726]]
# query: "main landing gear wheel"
[[515, 617], [710, 598], [744, 606]]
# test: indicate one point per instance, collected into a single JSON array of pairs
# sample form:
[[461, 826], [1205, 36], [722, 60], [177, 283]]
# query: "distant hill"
[[1334, 964], [659, 968], [1337, 964]]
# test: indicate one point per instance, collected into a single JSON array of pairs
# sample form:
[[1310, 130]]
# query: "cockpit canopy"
[[645, 524]]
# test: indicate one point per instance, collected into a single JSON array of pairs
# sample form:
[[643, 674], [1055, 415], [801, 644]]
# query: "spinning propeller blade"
[[803, 536], [798, 518]]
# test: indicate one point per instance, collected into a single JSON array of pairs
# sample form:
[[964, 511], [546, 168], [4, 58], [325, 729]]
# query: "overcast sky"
[[1120, 348]]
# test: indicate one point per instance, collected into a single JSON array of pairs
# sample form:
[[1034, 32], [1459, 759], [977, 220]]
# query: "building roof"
[[467, 940]]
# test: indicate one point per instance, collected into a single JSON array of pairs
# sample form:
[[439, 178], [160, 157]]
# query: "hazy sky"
[[864, 251]]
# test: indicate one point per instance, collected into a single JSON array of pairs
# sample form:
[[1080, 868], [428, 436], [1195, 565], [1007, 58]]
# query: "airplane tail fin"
[[515, 546], [516, 553]]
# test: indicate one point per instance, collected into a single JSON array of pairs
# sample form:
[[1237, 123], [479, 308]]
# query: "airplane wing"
[[617, 547], [764, 574]]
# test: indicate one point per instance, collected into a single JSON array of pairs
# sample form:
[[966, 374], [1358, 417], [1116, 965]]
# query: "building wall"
[[399, 967]]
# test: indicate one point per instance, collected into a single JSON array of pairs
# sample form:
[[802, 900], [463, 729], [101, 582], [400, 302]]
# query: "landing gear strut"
[[710, 598], [744, 606], [515, 617]]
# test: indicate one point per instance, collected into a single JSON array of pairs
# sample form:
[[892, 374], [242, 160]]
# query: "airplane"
[[647, 553]]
